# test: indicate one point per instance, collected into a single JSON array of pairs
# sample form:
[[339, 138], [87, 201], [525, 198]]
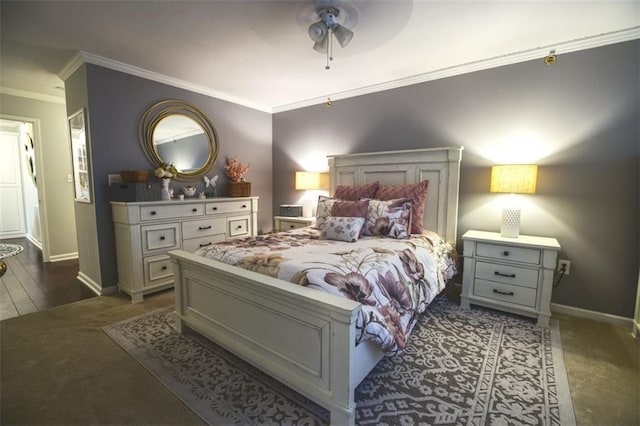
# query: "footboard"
[[302, 337]]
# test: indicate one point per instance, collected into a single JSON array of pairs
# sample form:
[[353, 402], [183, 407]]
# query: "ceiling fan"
[[331, 18]]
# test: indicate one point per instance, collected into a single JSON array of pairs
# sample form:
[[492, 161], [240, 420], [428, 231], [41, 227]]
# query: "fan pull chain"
[[329, 49]]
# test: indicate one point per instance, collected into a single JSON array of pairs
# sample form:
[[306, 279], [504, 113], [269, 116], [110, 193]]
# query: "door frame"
[[40, 184]]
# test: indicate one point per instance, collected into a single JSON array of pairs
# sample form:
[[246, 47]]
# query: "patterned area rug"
[[461, 367], [7, 250]]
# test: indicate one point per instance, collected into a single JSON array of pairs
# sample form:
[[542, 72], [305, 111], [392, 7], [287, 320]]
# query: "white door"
[[12, 223]]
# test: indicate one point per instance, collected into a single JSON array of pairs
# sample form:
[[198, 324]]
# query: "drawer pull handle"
[[506, 293], [202, 228], [239, 227], [206, 244], [153, 212], [500, 274], [194, 210], [214, 208], [505, 253], [161, 237], [291, 226], [164, 268], [244, 206]]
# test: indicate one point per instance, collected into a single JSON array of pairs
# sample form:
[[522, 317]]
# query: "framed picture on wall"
[[80, 157]]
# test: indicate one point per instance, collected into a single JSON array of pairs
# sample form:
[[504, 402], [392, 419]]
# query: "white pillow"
[[342, 228]]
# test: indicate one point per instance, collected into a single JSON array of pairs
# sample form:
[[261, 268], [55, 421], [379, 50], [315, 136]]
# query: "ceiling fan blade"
[[322, 46], [318, 31], [343, 34]]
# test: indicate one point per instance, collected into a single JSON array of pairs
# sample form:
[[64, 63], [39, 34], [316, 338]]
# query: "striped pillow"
[[416, 192]]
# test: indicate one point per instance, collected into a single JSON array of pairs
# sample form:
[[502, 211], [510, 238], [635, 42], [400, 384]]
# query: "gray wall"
[[55, 154], [116, 101], [580, 115]]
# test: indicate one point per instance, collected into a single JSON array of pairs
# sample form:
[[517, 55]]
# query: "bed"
[[303, 337]]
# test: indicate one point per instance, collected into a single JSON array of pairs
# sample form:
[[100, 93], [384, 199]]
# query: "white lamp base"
[[510, 226]]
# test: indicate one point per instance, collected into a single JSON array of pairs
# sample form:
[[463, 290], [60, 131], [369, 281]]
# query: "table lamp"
[[513, 179], [307, 181]]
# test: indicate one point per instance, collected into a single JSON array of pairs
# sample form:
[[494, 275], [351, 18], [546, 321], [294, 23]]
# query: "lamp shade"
[[514, 178], [311, 180]]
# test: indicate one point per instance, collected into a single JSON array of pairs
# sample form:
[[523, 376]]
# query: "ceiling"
[[258, 53]]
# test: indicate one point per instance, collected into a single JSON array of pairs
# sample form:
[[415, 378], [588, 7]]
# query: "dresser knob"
[[505, 253], [194, 210], [215, 208], [161, 237], [153, 213], [244, 206], [164, 268]]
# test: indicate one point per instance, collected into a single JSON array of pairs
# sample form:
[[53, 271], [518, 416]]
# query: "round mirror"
[[175, 132]]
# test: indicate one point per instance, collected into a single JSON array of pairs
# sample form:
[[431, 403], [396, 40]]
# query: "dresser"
[[509, 274], [287, 223], [146, 231]]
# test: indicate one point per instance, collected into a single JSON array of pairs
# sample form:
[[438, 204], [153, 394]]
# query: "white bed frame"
[[303, 337]]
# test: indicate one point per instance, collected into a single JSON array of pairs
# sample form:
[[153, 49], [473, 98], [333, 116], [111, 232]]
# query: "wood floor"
[[29, 285]]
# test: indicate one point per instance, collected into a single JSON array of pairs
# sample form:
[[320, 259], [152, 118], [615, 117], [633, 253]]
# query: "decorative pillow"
[[342, 229], [350, 208], [356, 192], [390, 218], [416, 192], [323, 211]]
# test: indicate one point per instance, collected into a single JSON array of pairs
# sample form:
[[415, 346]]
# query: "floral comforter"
[[394, 280]]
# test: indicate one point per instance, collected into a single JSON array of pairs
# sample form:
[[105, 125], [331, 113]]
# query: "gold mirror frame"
[[163, 109]]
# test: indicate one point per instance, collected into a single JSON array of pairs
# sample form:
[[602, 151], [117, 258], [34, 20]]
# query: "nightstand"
[[286, 223], [509, 274]]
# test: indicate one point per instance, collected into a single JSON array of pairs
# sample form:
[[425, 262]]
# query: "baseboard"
[[33, 241], [61, 257], [95, 287], [636, 329], [593, 315]]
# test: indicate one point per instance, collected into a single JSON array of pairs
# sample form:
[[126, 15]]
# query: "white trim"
[[62, 257], [32, 95], [482, 64], [33, 241], [86, 57], [593, 315], [636, 329], [94, 286]]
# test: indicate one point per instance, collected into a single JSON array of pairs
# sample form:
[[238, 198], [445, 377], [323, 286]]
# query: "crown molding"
[[85, 57], [584, 43], [32, 95]]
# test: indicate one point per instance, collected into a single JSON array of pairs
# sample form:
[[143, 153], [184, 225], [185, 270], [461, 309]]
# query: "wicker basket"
[[134, 176], [239, 189]]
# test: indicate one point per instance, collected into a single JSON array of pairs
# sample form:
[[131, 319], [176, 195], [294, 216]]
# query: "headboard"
[[440, 166]]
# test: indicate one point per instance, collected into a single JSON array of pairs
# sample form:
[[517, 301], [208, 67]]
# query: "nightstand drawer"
[[287, 225], [505, 292], [513, 254], [507, 274]]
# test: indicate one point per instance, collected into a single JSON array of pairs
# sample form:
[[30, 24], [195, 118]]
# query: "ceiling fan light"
[[321, 46], [318, 31], [343, 35]]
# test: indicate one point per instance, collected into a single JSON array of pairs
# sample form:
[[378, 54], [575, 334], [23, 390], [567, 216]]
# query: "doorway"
[[20, 205]]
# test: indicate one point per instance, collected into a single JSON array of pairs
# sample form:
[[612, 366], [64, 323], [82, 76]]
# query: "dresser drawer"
[[193, 244], [160, 237], [201, 228], [504, 292], [229, 207], [513, 254], [157, 270], [507, 274], [171, 211], [239, 226]]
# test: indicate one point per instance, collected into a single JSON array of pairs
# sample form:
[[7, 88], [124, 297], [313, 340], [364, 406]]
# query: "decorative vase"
[[165, 192]]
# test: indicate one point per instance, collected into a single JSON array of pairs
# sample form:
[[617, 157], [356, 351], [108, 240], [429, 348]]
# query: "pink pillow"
[[357, 192], [350, 209], [416, 192]]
